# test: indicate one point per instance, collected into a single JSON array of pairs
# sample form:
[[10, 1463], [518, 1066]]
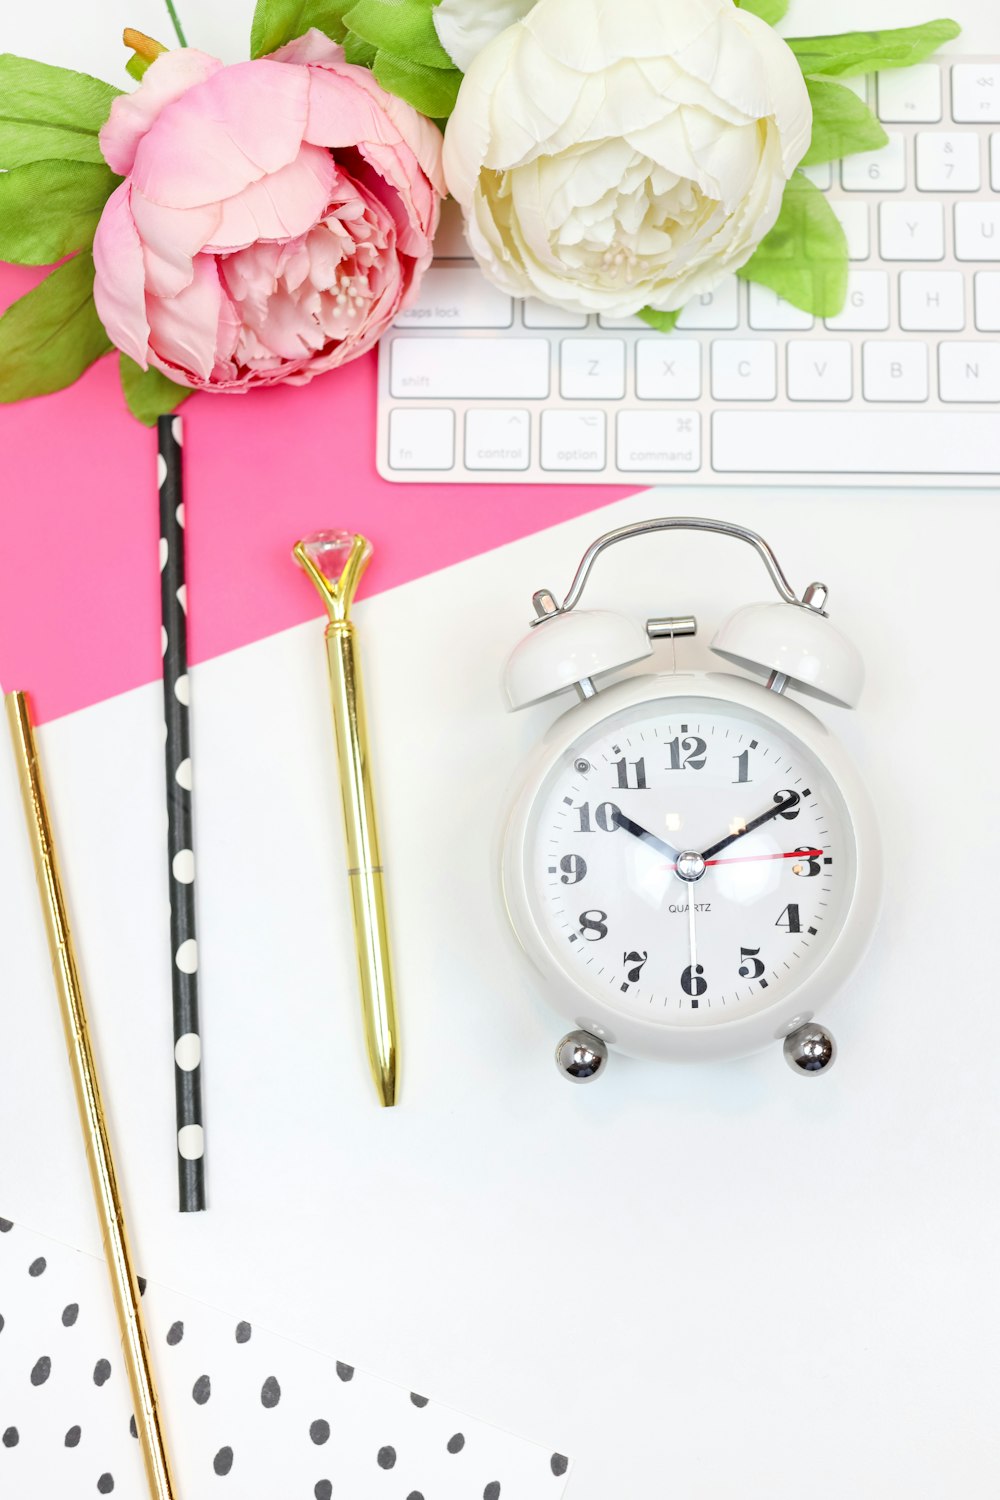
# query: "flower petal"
[[347, 106], [465, 26], [183, 330], [132, 115], [280, 206], [119, 282], [171, 238], [245, 121]]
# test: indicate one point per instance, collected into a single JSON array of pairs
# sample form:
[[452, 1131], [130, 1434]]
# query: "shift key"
[[477, 369]]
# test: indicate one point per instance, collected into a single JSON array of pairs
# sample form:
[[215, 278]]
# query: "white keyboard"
[[477, 387]]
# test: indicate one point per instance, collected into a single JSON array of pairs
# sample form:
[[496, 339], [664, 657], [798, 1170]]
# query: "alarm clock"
[[691, 861]]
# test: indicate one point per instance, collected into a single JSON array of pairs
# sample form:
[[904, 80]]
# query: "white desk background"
[[708, 1284]]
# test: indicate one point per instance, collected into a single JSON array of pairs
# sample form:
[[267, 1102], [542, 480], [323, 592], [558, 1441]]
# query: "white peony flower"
[[611, 155], [465, 26]]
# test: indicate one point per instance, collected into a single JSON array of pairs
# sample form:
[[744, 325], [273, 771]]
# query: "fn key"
[[421, 439]]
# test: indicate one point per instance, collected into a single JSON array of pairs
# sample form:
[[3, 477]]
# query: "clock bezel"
[[730, 1038]]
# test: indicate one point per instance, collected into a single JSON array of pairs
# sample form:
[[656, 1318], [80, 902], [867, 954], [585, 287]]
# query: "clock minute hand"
[[637, 831], [792, 800]]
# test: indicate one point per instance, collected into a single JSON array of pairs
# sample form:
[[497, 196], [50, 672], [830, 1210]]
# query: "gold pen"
[[117, 1250], [335, 561]]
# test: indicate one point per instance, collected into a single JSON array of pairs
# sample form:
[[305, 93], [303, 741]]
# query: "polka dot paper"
[[249, 1415]]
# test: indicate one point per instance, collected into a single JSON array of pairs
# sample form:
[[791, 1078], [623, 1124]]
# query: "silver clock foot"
[[810, 1049], [581, 1057]]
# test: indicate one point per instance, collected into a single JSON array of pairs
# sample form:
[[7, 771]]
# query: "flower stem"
[[175, 18]]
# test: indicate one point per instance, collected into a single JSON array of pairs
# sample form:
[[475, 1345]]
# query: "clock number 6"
[[692, 981]]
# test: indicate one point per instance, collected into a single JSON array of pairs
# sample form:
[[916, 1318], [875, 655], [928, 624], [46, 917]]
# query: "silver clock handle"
[[689, 523]]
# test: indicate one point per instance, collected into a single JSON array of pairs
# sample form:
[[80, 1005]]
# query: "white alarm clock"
[[691, 861]]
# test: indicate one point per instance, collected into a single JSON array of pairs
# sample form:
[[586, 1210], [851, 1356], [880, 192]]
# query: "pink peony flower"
[[274, 218]]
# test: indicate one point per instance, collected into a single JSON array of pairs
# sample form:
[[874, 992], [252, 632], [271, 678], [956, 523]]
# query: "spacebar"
[[856, 442]]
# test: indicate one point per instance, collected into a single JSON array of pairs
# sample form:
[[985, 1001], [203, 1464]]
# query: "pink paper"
[[79, 581]]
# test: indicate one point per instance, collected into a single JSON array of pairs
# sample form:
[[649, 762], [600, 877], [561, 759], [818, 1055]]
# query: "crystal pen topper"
[[335, 561]]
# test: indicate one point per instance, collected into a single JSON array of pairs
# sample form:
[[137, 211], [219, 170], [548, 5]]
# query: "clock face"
[[691, 862]]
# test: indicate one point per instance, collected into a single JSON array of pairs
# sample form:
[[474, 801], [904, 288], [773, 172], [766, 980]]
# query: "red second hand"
[[740, 859]]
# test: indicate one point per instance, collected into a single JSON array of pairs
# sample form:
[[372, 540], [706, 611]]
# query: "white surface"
[[703, 1283], [721, 1284]]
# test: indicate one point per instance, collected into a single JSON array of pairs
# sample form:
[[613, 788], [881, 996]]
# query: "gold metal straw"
[[124, 1286], [316, 554]]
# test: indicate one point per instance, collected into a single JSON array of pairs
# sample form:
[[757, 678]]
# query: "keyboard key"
[[932, 301], [911, 231], [969, 372], [977, 231], [659, 442], [719, 308], [421, 439], [821, 174], [975, 92], [444, 368], [947, 163], [819, 370], [668, 369], [450, 239], [910, 94], [496, 439], [744, 370], [592, 369], [892, 371], [995, 162], [867, 305], [855, 442], [573, 440], [454, 296], [538, 314], [882, 171], [768, 310], [853, 215], [605, 320], [988, 301]]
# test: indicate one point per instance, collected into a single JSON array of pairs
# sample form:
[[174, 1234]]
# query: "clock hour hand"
[[782, 805], [637, 831]]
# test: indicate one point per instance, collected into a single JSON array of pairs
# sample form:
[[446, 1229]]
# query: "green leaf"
[[842, 123], [148, 394], [50, 208], [359, 52], [771, 11], [868, 51], [136, 66], [403, 27], [51, 335], [804, 258], [664, 321], [50, 113], [276, 22], [432, 91]]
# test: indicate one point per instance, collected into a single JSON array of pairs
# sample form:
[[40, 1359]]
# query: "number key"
[[882, 171], [947, 163]]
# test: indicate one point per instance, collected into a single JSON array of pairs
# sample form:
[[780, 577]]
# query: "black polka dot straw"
[[180, 832]]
